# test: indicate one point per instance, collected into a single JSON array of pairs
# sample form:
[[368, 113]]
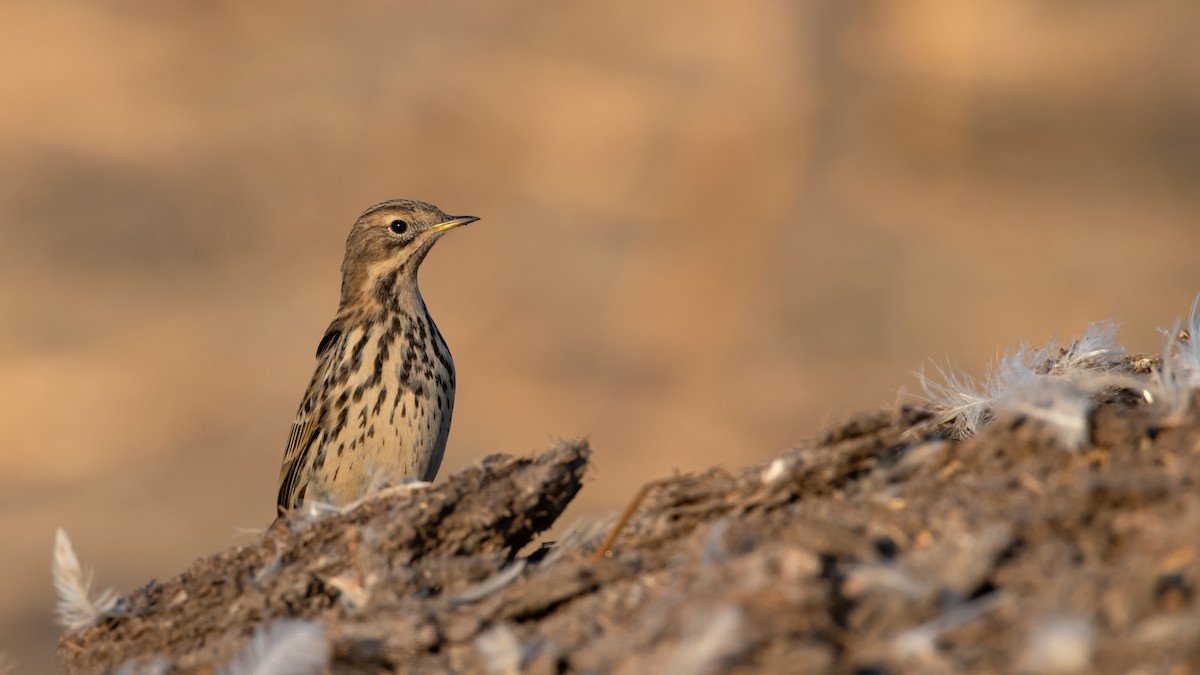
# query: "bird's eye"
[[398, 226]]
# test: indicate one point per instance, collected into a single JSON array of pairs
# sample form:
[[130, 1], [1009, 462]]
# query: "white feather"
[[1189, 349], [284, 647], [76, 607], [1170, 384], [710, 638], [1050, 385], [1060, 645], [1096, 349], [500, 650], [1056, 404]]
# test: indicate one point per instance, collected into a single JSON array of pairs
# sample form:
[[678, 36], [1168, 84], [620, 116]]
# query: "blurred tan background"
[[709, 228]]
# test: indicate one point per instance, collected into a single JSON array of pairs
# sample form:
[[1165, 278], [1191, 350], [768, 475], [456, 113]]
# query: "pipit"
[[378, 408]]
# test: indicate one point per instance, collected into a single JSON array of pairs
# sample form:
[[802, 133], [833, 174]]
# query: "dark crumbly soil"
[[871, 549]]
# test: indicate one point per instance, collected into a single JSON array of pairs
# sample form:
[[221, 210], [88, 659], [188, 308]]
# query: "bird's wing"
[[306, 428]]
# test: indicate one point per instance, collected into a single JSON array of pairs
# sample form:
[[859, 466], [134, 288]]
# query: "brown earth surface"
[[885, 545]]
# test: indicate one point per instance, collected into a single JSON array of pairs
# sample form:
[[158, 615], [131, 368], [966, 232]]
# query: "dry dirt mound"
[[884, 546]]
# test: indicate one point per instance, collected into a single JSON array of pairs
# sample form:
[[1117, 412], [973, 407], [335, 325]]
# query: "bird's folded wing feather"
[[306, 427]]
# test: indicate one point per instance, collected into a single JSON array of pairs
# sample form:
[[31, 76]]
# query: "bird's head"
[[388, 243]]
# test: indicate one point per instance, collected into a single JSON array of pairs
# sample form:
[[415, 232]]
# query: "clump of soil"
[[885, 545]]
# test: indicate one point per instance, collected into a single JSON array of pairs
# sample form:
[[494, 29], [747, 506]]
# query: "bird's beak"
[[454, 222]]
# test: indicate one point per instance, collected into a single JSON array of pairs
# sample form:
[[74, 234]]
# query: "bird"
[[378, 408]]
